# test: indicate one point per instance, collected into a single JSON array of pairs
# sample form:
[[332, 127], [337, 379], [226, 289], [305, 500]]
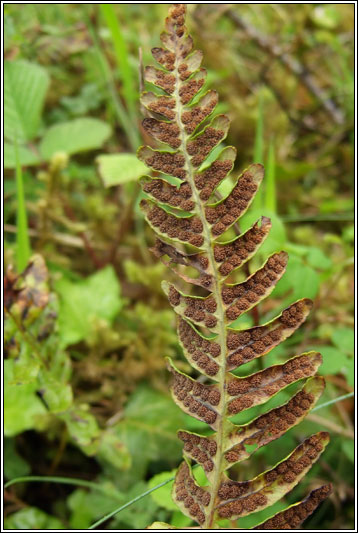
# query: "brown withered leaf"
[[176, 257], [28, 290]]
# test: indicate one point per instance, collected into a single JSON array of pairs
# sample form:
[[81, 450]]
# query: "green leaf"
[[83, 429], [113, 451], [82, 514], [179, 520], [32, 518], [25, 87], [326, 16], [140, 514], [97, 296], [75, 136], [163, 496], [276, 239], [57, 396], [333, 360], [150, 417], [116, 169], [21, 405], [317, 259], [343, 338], [87, 506], [14, 464], [26, 365], [300, 280], [160, 525], [26, 156], [348, 448]]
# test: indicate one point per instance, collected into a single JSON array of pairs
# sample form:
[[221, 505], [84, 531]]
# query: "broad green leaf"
[[113, 451], [75, 136], [161, 525], [83, 429], [32, 518], [25, 87], [150, 417], [276, 239], [26, 365], [56, 395], [317, 259], [348, 448], [163, 496], [116, 169], [21, 405], [300, 281], [343, 338], [81, 515], [138, 515], [88, 506], [14, 464], [96, 297], [333, 359], [27, 157], [179, 520]]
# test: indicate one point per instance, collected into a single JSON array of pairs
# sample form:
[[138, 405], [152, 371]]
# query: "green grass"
[[23, 248]]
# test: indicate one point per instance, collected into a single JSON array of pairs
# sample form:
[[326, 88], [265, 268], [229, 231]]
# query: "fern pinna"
[[184, 209]]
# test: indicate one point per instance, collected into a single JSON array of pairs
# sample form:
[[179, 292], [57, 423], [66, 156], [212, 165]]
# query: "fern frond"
[[183, 208]]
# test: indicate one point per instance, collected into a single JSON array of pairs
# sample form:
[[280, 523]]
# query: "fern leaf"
[[183, 208]]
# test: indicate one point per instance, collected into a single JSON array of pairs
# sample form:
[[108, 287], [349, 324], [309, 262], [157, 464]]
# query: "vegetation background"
[[86, 390]]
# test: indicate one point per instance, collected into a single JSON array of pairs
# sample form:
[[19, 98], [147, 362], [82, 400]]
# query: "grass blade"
[[23, 249], [60, 479], [335, 400], [119, 509], [122, 59], [270, 191], [119, 110], [259, 149]]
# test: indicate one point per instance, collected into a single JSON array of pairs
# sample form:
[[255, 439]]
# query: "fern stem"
[[216, 291]]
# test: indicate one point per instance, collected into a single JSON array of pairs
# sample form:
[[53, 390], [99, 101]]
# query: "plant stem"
[[216, 291]]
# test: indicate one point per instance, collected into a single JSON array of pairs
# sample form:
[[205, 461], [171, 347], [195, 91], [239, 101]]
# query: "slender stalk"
[[216, 291], [62, 480]]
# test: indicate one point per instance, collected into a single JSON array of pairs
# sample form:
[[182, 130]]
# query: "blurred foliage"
[[87, 326]]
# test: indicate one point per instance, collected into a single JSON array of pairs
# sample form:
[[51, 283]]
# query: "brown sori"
[[190, 219]]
